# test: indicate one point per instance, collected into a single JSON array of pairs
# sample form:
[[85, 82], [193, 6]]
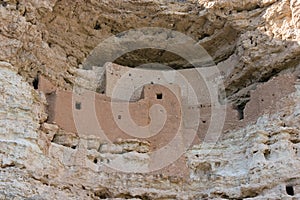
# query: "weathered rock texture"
[[251, 41]]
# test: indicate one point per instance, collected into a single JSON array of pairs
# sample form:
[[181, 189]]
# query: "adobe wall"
[[263, 99], [130, 83], [66, 108], [228, 119], [63, 103], [45, 85], [266, 95], [112, 120]]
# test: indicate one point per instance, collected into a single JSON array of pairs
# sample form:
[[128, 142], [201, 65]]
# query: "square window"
[[159, 96], [78, 105]]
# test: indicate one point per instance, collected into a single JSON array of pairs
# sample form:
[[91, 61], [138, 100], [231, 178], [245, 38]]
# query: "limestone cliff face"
[[250, 41]]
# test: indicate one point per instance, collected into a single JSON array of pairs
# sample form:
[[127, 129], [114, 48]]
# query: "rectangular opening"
[[35, 83], [159, 96], [78, 105]]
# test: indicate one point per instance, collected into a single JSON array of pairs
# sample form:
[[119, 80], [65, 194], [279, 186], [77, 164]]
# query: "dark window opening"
[[152, 82], [289, 190], [119, 116], [78, 106], [95, 160], [97, 26], [203, 121], [35, 83], [159, 96], [240, 109], [240, 114], [129, 74]]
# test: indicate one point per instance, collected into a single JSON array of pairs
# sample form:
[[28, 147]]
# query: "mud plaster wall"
[[94, 114], [130, 81], [267, 94], [61, 105], [67, 108], [126, 83]]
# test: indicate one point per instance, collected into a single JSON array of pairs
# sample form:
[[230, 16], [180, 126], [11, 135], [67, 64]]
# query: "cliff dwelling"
[[157, 109]]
